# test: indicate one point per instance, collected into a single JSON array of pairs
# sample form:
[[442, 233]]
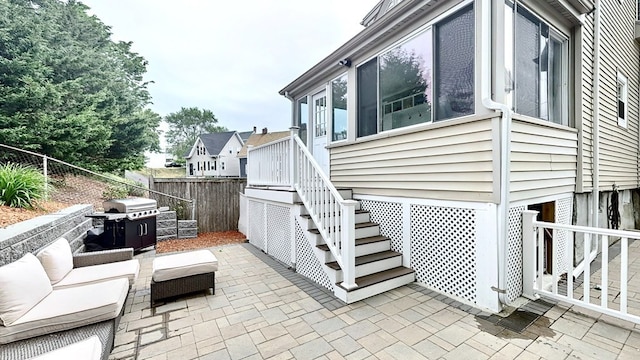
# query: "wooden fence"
[[217, 201]]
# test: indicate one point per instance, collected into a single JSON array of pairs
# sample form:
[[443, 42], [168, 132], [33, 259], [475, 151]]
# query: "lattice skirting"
[[389, 216], [443, 249], [270, 229], [307, 263], [257, 220]]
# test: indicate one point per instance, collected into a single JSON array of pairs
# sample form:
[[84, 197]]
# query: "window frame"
[[621, 79], [554, 34], [331, 124], [429, 26]]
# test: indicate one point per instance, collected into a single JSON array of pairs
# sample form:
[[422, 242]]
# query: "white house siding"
[[585, 103], [449, 160], [543, 159], [619, 51], [203, 160], [229, 156]]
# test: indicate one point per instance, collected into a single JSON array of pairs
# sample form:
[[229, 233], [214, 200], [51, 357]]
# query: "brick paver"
[[262, 310]]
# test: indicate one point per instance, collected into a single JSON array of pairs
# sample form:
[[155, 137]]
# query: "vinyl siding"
[[586, 91], [543, 160], [618, 146], [446, 161]]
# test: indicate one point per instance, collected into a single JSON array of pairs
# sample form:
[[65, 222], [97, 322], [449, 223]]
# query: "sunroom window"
[[339, 108], [398, 87], [541, 67]]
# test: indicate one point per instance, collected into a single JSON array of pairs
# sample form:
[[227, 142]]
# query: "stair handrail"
[[333, 216]]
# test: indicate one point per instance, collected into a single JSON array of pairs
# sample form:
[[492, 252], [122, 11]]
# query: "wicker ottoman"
[[183, 273]]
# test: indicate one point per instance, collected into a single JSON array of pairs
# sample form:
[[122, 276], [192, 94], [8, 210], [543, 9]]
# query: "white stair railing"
[[333, 216], [610, 285], [288, 162]]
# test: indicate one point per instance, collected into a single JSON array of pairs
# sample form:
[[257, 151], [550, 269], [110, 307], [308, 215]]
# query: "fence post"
[[529, 253], [348, 244], [45, 172], [293, 157]]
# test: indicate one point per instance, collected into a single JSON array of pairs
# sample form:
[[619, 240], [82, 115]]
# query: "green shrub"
[[20, 186], [122, 188]]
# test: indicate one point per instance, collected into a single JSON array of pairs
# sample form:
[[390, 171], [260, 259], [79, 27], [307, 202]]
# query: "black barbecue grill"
[[128, 222]]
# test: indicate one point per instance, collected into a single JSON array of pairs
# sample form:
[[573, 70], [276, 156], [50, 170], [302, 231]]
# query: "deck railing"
[[607, 283], [288, 162], [270, 164]]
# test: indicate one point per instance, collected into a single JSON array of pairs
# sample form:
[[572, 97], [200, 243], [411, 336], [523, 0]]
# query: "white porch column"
[[528, 254], [487, 258]]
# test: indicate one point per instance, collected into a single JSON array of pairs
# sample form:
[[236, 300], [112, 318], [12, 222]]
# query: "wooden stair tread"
[[366, 259], [379, 277], [358, 226], [307, 216], [362, 241]]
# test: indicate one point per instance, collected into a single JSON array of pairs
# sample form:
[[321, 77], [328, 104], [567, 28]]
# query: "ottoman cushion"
[[181, 265]]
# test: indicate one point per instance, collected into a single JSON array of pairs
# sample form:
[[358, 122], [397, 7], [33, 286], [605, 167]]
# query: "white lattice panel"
[[514, 253], [443, 249], [389, 216], [256, 224], [307, 263], [279, 233], [564, 210]]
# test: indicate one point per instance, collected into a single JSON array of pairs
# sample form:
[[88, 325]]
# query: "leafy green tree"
[[70, 92], [186, 125]]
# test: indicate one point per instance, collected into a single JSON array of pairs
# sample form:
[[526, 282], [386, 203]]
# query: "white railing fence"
[[606, 289], [270, 164], [289, 163]]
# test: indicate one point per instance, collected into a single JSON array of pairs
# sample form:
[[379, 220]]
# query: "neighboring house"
[[446, 120], [215, 155], [257, 140], [246, 134]]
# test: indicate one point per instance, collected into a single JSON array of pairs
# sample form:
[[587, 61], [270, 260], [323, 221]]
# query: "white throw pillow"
[[23, 284], [56, 259]]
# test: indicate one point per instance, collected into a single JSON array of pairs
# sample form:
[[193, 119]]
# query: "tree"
[[186, 125], [70, 92]]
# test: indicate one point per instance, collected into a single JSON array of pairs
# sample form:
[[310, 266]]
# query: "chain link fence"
[[71, 185]]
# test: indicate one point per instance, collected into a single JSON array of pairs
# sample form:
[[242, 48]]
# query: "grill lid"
[[129, 205]]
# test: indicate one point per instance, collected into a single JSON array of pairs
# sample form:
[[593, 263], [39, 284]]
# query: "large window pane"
[[454, 65], [541, 70], [405, 83], [367, 98], [303, 118], [339, 108]]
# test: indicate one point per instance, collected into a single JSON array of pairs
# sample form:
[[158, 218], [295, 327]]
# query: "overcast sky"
[[231, 57]]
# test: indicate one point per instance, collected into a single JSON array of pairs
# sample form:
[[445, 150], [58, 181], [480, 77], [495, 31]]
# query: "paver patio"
[[261, 310]]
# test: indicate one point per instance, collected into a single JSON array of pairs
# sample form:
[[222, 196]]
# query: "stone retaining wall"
[[30, 235]]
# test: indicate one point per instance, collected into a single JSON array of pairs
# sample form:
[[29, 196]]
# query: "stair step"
[[379, 277], [363, 241], [366, 259], [357, 226], [307, 216]]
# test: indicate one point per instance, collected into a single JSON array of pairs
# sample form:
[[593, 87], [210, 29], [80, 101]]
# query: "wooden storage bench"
[[183, 273]]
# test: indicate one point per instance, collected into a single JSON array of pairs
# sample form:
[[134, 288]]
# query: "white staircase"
[[377, 267]]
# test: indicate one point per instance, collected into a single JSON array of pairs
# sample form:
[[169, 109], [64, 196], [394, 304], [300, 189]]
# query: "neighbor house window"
[[434, 70], [222, 165], [339, 108], [622, 100], [541, 68], [303, 118]]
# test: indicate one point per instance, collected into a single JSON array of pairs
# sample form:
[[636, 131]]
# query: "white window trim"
[[621, 79]]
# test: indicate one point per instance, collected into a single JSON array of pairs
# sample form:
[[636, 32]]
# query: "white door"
[[319, 126]]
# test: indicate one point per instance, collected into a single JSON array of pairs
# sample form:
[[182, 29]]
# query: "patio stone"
[[259, 312]]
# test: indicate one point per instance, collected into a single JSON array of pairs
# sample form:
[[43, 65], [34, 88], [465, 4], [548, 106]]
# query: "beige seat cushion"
[[23, 284], [91, 274], [69, 308], [88, 349], [181, 265], [56, 259]]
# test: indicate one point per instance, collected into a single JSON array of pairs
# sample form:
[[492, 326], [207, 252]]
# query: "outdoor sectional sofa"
[[54, 299]]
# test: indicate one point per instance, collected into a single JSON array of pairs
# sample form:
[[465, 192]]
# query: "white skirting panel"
[[307, 263], [451, 245]]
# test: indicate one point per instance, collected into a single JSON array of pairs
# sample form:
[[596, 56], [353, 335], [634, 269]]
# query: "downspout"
[[505, 147], [595, 197]]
